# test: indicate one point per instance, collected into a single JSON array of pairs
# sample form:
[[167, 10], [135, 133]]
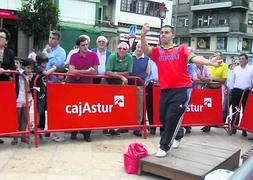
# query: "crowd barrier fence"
[[79, 106], [204, 108], [8, 109]]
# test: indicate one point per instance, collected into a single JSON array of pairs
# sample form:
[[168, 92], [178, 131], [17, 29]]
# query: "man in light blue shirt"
[[56, 58], [56, 54]]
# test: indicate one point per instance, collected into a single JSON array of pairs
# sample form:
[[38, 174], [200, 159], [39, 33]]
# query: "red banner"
[[8, 110], [247, 118], [204, 108], [89, 105]]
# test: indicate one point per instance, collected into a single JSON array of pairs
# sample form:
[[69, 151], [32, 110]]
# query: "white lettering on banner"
[[207, 102], [80, 109]]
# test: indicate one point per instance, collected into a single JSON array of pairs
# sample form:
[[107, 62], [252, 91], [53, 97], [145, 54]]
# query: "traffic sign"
[[132, 30]]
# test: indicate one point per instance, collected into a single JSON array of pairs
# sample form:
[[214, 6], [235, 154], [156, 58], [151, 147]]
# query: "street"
[[100, 159]]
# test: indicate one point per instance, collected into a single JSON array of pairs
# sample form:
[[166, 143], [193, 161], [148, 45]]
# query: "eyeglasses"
[[120, 48], [101, 41]]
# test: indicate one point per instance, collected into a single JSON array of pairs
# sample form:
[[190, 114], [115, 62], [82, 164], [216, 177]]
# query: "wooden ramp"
[[191, 161]]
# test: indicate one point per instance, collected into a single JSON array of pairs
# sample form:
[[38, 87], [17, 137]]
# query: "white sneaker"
[[175, 144], [161, 153]]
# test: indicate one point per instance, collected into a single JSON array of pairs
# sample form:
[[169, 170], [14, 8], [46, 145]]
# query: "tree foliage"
[[37, 18]]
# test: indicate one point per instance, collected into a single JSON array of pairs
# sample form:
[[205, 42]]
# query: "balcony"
[[217, 28], [240, 4], [216, 4], [238, 28]]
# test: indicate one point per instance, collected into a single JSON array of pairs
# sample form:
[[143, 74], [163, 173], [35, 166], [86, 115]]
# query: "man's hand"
[[124, 80], [48, 49], [215, 61], [91, 70], [145, 29], [1, 70]]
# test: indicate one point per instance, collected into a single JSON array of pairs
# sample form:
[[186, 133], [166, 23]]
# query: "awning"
[[77, 26], [7, 14]]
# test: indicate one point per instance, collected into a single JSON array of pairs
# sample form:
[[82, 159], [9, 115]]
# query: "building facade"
[[111, 18], [215, 25]]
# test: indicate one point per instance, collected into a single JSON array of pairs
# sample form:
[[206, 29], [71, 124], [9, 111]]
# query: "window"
[[221, 43], [173, 21], [182, 22], [246, 44], [223, 21], [185, 40], [203, 43], [205, 20], [140, 7], [250, 21]]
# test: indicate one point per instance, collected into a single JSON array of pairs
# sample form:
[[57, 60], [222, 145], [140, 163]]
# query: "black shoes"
[[122, 130], [137, 133], [188, 130], [87, 138], [14, 141], [244, 133], [114, 133], [106, 132], [73, 136], [206, 129], [152, 131]]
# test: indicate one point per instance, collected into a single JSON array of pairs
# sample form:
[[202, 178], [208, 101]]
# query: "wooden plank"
[[191, 161]]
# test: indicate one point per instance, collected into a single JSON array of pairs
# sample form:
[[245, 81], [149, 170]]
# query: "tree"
[[37, 18]]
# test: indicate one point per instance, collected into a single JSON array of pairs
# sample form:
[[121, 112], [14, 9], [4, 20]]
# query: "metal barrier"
[[77, 106], [204, 108], [8, 109]]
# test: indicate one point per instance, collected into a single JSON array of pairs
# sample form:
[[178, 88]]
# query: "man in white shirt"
[[243, 79], [103, 54]]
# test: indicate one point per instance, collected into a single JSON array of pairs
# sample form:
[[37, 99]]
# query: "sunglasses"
[[120, 48]]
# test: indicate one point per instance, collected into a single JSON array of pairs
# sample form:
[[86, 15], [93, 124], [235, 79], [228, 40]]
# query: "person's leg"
[[235, 104], [24, 123], [244, 100], [172, 108], [42, 120], [73, 135], [149, 107], [86, 135], [225, 107], [139, 109]]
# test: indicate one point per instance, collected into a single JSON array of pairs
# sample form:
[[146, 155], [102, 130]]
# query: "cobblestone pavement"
[[100, 159]]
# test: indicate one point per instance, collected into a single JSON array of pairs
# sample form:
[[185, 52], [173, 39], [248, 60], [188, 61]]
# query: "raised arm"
[[144, 44]]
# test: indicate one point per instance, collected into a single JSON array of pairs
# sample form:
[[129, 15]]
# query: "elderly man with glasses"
[[119, 65]]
